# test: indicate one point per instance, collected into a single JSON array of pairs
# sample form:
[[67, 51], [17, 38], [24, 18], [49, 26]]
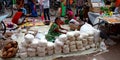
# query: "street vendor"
[[55, 30]]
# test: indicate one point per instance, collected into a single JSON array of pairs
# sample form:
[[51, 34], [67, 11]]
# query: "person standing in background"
[[69, 3], [14, 4], [41, 6], [79, 5], [46, 7], [32, 4], [20, 5], [63, 8]]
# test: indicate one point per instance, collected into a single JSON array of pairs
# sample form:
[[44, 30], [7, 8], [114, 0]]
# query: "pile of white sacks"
[[65, 43]]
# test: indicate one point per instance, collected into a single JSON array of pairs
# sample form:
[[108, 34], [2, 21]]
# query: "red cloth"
[[16, 17], [117, 3]]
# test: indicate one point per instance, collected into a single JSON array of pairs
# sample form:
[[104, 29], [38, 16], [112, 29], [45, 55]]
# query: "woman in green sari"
[[55, 30]]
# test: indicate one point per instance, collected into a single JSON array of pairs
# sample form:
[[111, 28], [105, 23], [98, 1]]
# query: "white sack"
[[56, 47], [31, 54], [24, 44], [81, 37], [34, 43], [50, 52], [42, 43], [72, 43], [22, 49], [58, 42], [85, 42], [31, 32], [41, 54], [70, 36], [67, 42], [90, 40], [84, 35], [92, 46], [78, 42], [31, 50], [40, 35], [66, 49], [23, 55], [76, 33], [50, 46], [72, 47], [74, 50], [63, 37], [29, 38], [86, 28], [87, 47], [58, 51], [41, 49]]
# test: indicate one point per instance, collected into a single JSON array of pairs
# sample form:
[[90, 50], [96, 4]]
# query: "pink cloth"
[[70, 13], [75, 18]]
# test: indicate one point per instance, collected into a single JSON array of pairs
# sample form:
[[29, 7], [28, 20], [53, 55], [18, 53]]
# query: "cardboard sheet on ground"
[[28, 24]]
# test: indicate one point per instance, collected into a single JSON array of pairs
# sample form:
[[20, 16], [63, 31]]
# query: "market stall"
[[33, 44]]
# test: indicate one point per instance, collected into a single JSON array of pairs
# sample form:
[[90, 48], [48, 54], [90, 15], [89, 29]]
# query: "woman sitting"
[[55, 30]]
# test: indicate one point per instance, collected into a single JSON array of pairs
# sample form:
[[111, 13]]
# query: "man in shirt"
[[46, 6]]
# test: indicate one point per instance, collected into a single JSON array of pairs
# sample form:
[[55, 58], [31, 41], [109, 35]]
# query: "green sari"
[[51, 33], [63, 9]]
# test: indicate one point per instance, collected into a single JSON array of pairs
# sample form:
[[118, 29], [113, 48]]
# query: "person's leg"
[[77, 10], [40, 6], [47, 12]]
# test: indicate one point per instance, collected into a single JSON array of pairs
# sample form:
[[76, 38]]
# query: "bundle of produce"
[[72, 46], [90, 40], [70, 36], [10, 49], [58, 42], [63, 37], [66, 49], [80, 38], [50, 48], [35, 43], [29, 38], [43, 43], [31, 52], [85, 42], [76, 33], [57, 49], [79, 45]]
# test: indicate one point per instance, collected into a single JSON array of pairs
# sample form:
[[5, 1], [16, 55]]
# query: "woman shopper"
[[32, 4], [46, 7]]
